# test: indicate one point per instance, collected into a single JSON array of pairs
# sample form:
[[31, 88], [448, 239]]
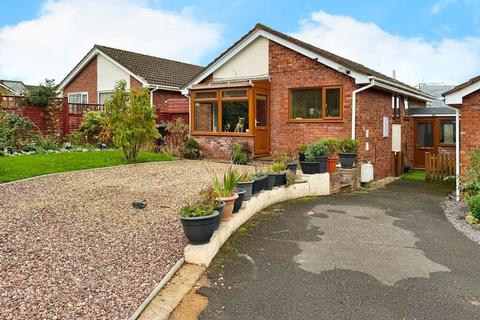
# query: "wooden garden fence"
[[439, 166]]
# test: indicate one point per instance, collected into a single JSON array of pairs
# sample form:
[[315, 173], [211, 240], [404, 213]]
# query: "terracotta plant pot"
[[332, 164], [228, 209]]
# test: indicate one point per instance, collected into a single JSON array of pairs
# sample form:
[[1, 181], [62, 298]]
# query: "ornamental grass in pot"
[[199, 222], [246, 183], [332, 145], [348, 152], [226, 191]]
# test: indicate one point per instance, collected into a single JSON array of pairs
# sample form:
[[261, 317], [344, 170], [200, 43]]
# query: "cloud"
[[415, 59], [440, 5], [50, 45]]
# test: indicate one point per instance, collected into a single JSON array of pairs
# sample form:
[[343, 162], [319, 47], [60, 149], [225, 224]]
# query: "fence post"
[[66, 124]]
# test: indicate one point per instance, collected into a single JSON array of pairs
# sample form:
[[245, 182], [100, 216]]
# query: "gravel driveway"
[[72, 246]]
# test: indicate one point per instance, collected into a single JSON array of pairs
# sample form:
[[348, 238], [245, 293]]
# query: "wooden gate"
[[439, 166]]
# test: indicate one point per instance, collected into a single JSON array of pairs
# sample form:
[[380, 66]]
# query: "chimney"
[[394, 74]]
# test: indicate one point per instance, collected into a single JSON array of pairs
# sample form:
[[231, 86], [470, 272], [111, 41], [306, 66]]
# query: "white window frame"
[[75, 93], [103, 91]]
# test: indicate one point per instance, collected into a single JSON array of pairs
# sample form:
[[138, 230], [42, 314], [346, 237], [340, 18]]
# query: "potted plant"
[[279, 173], [208, 198], [332, 145], [226, 191], [348, 152], [199, 222], [239, 201], [270, 182], [246, 183], [301, 151], [310, 165], [319, 151], [259, 180], [287, 159]]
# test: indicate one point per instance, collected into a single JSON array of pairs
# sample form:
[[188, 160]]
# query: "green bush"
[[470, 181], [39, 96], [349, 145], [175, 139], [191, 149], [131, 119], [94, 128], [316, 150], [331, 144], [46, 143], [474, 205], [278, 167], [196, 210], [240, 153], [16, 132]]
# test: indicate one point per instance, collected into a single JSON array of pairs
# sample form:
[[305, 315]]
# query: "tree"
[[131, 118], [38, 96]]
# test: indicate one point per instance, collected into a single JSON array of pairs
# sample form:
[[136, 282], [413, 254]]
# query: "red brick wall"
[[220, 147], [85, 81], [469, 125], [289, 69], [160, 101], [134, 83]]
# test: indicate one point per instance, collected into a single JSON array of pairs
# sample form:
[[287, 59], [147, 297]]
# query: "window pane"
[[235, 116], [261, 115], [206, 117], [234, 94], [425, 134], [104, 96], [75, 98], [332, 108], [206, 95], [447, 131], [306, 104]]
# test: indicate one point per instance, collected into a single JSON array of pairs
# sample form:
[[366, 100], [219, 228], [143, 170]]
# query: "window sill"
[[223, 134], [315, 121]]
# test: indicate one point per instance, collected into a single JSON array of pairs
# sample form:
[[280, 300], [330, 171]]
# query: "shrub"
[[94, 128], [46, 143], [316, 150], [16, 131], [471, 179], [349, 145], [474, 205], [131, 118], [278, 167], [196, 210], [176, 137], [240, 153], [331, 144], [39, 96], [191, 149]]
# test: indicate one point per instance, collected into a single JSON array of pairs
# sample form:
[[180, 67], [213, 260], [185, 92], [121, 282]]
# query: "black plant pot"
[[219, 208], [199, 230], [347, 160], [259, 184], [248, 187], [301, 156], [270, 183], [292, 167], [239, 201], [323, 163], [310, 167], [280, 179]]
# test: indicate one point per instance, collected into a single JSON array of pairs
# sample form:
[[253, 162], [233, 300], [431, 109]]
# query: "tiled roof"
[[463, 85], [333, 57], [17, 87], [156, 71]]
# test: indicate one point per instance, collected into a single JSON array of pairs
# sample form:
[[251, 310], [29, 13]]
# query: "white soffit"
[[457, 96]]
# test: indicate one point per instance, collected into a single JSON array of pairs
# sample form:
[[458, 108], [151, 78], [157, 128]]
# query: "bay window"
[[315, 104]]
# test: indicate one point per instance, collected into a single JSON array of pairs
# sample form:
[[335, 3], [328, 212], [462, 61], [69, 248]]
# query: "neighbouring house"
[[93, 79], [275, 93], [466, 98], [14, 87], [434, 126]]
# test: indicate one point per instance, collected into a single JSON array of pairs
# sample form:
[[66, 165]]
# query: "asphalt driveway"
[[384, 254]]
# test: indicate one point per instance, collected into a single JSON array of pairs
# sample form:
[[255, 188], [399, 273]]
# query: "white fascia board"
[[359, 77], [401, 91], [457, 96], [400, 88], [166, 88], [87, 59]]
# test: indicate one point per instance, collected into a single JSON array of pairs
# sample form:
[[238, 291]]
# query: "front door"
[[262, 125], [424, 140]]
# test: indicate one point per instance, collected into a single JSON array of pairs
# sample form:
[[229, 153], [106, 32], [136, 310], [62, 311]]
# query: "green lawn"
[[414, 175], [21, 167]]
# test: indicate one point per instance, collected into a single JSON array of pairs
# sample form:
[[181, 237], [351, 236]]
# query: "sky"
[[428, 41]]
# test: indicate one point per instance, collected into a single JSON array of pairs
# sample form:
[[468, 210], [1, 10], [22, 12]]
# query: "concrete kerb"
[[311, 185]]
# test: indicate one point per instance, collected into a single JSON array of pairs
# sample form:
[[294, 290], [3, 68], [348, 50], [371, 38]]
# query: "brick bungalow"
[[274, 93], [93, 79], [466, 98]]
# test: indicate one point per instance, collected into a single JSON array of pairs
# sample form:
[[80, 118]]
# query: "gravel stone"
[[72, 246], [454, 210]]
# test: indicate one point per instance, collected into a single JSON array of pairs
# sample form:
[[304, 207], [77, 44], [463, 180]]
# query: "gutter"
[[457, 152], [354, 104], [401, 89]]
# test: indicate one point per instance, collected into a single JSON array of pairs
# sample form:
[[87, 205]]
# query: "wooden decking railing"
[[439, 166]]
